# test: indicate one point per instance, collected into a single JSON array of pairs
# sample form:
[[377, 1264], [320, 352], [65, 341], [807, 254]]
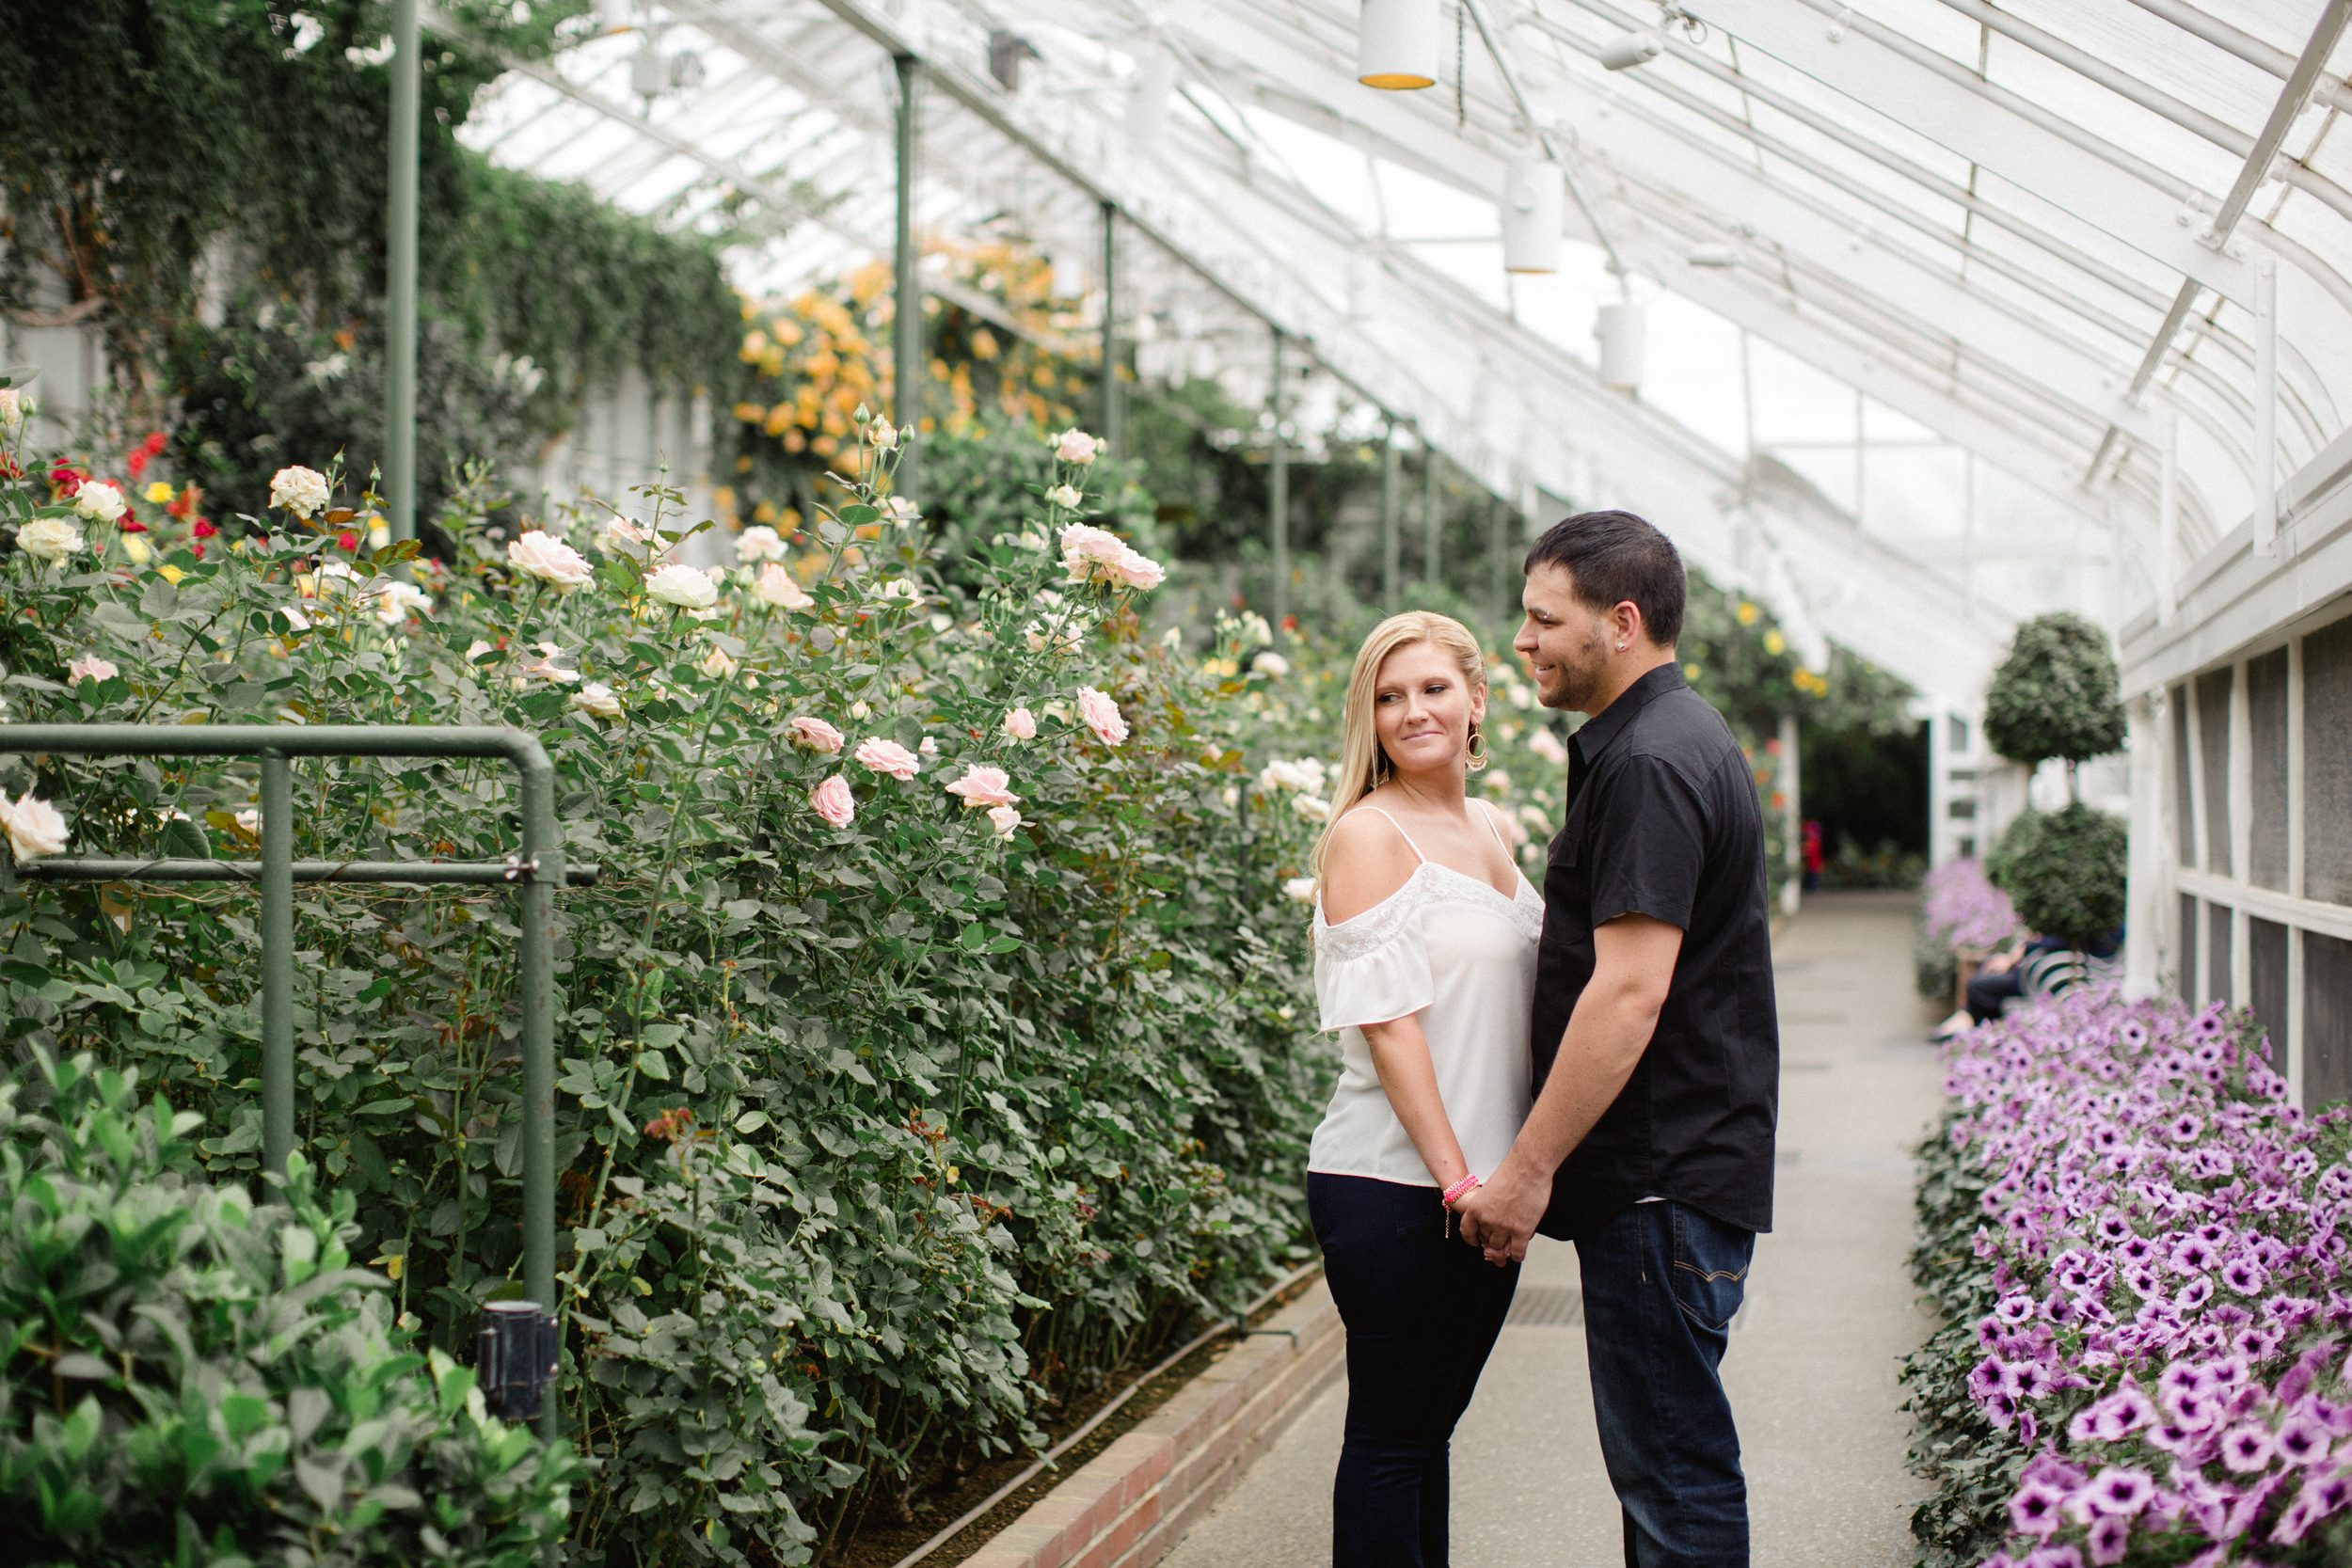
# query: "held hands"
[[1500, 1217]]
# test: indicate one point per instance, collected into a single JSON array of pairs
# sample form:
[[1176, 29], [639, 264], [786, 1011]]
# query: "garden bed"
[[2138, 1249]]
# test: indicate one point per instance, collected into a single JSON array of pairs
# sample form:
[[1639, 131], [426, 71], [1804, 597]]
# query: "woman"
[[1424, 937]]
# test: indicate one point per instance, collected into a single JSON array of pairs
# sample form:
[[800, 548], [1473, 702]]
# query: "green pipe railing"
[[536, 871]]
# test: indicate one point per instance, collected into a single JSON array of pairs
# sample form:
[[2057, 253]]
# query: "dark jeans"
[[1986, 992], [1421, 1313], [1662, 1284]]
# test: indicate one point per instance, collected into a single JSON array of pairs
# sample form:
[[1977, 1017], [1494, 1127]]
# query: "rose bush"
[[885, 1122], [2137, 1247]]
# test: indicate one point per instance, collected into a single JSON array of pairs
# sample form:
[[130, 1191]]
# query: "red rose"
[[202, 528], [153, 445], [132, 525], [198, 549], [347, 541], [137, 463]]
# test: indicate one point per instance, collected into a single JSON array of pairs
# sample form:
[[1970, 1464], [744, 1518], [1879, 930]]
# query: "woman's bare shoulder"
[[1366, 861]]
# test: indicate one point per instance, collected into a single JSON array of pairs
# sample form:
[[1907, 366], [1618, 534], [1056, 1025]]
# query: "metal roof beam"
[[2255, 52]]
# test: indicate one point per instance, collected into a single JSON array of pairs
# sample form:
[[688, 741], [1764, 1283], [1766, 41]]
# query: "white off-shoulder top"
[[1447, 949]]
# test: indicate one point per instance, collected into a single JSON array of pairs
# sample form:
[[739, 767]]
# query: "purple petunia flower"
[[2246, 1449], [2117, 1490], [2303, 1439], [2035, 1509], [2110, 1538]]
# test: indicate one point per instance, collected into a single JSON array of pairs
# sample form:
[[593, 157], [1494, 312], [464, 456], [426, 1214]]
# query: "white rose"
[[300, 490], [1299, 890], [682, 586], [99, 501], [12, 406], [759, 544], [881, 434], [399, 600], [1271, 664], [1312, 808], [900, 510], [34, 827], [538, 554], [717, 665], [597, 698], [51, 539], [1063, 494], [1076, 446]]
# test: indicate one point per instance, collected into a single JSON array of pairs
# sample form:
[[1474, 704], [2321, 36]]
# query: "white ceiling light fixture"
[[1146, 122], [1398, 44], [1628, 49], [1619, 333], [1534, 203]]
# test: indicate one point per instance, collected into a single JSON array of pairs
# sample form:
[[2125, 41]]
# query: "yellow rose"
[[158, 492], [170, 574], [1746, 613]]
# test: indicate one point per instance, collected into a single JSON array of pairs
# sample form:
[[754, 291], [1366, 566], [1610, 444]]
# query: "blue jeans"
[[1421, 1313], [1662, 1282]]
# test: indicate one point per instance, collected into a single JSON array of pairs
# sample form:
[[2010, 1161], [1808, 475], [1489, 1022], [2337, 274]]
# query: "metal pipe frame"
[[1279, 498], [541, 861], [399, 244], [2245, 45], [1388, 573], [906, 321]]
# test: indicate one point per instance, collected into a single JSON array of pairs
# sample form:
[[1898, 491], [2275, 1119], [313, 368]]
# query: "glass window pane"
[[2213, 746], [2218, 954], [2267, 707], [2328, 764], [2184, 799], [2266, 983], [2327, 1019], [2188, 949]]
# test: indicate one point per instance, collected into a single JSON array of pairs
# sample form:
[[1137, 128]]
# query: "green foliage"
[[876, 1141], [2067, 877], [2055, 695], [131, 141], [1974, 1466], [188, 1375], [2003, 862]]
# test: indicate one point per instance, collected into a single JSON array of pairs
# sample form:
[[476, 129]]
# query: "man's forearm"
[[1599, 1051]]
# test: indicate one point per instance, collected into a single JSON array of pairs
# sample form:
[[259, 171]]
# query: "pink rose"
[[1021, 724], [817, 734], [888, 756], [1082, 541], [1076, 446], [1004, 819], [1137, 571], [1101, 716], [834, 801], [776, 587], [89, 667], [538, 554], [983, 785], [34, 827]]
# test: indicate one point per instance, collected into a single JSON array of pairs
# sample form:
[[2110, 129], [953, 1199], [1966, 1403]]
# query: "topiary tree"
[[2055, 695], [2067, 879]]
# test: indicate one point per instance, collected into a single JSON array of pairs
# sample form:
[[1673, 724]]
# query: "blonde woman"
[[1425, 943]]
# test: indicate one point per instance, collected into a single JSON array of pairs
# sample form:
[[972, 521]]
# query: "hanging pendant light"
[[1535, 199], [1620, 332], [1398, 43]]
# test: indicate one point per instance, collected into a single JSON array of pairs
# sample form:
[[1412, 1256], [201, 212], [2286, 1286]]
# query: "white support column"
[[2195, 805], [2241, 834], [2149, 860], [2295, 868], [1792, 815], [2265, 454], [2168, 516]]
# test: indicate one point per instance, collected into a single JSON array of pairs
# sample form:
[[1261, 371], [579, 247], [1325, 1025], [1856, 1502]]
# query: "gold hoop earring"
[[1477, 749]]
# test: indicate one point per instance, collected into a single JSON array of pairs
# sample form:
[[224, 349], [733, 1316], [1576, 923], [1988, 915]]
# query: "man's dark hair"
[[1612, 557]]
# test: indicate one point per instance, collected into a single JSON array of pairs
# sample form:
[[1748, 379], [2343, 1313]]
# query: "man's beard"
[[1581, 677]]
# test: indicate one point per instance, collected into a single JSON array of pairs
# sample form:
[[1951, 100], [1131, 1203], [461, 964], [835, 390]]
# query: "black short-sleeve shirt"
[[1662, 821]]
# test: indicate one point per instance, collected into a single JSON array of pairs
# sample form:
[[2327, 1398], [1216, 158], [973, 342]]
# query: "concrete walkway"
[[1812, 1354]]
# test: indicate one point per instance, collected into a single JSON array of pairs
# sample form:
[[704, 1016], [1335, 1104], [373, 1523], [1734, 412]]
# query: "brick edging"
[[1129, 1505]]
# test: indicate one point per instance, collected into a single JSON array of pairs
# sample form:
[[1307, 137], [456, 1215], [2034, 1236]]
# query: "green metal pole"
[[1388, 519], [399, 244], [545, 862], [277, 963], [1114, 394], [1431, 531], [1496, 520], [907, 293], [1279, 505]]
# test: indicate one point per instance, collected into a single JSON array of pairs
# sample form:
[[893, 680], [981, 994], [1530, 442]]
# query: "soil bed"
[[882, 1544]]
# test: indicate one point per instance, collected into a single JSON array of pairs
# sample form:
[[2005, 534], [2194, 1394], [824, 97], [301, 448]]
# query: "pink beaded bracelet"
[[1458, 1188]]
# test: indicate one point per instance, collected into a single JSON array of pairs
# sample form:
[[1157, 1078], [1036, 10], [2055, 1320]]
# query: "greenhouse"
[[697, 702]]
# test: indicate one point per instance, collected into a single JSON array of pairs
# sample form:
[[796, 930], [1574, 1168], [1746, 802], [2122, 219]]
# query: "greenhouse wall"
[[2241, 711]]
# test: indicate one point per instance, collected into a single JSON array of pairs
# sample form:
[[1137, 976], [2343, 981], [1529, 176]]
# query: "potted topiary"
[[2057, 695]]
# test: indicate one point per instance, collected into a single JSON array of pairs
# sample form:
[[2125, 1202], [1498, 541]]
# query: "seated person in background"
[[2004, 976]]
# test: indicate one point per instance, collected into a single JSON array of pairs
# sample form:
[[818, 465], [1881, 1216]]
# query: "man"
[[1656, 1044]]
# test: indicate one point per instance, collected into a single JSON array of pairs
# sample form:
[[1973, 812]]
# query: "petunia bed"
[[2159, 1343]]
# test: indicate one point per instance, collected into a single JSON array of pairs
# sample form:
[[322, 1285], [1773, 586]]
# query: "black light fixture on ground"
[[1398, 43]]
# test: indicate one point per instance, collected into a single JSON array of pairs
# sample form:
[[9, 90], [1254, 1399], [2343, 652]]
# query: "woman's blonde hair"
[[1363, 765]]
